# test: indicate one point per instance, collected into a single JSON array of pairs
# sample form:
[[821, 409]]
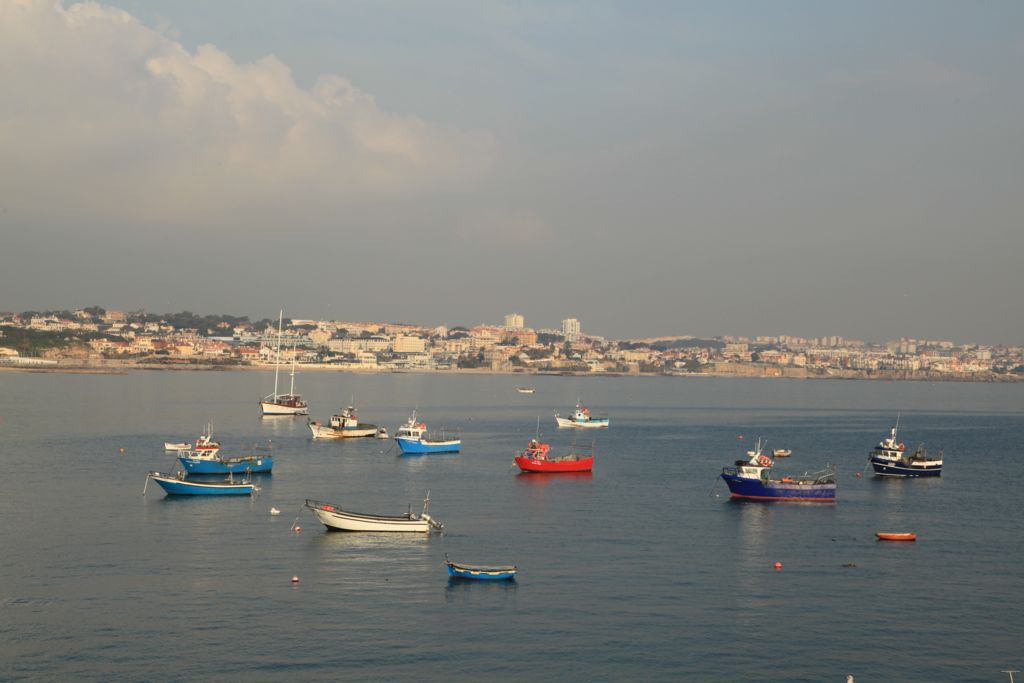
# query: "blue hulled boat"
[[749, 479], [890, 459], [198, 462], [177, 485], [414, 439], [475, 573]]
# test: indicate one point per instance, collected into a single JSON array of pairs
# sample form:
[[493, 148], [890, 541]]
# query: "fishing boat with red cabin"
[[537, 458], [750, 480]]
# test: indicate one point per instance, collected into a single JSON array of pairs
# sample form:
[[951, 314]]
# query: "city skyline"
[[737, 169]]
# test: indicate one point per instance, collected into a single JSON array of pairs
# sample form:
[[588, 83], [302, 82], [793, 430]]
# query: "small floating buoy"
[[858, 475], [121, 450], [295, 579], [298, 529], [275, 511], [740, 437], [778, 565]]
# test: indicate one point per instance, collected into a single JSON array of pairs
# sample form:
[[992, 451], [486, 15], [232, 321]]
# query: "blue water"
[[642, 571]]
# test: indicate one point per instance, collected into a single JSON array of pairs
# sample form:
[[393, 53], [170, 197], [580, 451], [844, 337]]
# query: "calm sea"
[[642, 571]]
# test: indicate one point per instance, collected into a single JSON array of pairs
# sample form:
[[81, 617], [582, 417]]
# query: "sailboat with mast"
[[283, 404]]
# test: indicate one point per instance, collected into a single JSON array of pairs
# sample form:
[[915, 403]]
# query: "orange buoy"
[[778, 565], [298, 529], [295, 579], [121, 450]]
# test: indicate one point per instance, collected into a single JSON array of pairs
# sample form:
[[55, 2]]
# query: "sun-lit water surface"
[[641, 571]]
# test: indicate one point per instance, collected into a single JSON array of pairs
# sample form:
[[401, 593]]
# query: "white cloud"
[[103, 118]]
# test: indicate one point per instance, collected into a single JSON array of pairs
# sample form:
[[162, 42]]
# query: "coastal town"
[[102, 340]]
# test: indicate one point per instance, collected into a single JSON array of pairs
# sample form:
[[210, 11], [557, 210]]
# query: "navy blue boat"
[[890, 459], [750, 480]]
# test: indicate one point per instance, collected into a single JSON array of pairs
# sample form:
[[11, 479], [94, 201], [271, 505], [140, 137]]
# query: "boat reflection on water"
[[541, 479], [460, 589]]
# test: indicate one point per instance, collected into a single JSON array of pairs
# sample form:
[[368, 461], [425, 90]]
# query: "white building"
[[513, 321], [571, 329]]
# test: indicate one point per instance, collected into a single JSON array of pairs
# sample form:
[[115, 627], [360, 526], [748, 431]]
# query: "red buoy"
[[298, 529], [295, 579], [778, 565]]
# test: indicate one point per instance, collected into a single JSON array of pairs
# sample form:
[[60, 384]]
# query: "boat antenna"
[[538, 428]]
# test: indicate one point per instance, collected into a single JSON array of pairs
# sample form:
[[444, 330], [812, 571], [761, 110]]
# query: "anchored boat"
[[478, 573], [177, 485], [283, 404], [211, 462], [537, 458], [413, 438], [344, 425], [337, 519], [890, 459], [749, 479], [895, 536], [581, 417]]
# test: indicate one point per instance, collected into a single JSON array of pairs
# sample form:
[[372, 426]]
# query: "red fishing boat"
[[537, 458]]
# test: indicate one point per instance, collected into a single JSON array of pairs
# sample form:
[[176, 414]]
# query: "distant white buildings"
[[571, 329], [513, 321]]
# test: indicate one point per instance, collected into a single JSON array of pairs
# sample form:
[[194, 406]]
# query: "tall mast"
[[277, 363], [292, 390]]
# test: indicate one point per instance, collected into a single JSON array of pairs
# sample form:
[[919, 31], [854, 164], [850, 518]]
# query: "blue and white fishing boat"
[[177, 485], [749, 479], [477, 573], [205, 462], [414, 439], [890, 459], [582, 418]]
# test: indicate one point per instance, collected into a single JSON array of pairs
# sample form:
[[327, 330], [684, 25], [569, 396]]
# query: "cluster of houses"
[[96, 334]]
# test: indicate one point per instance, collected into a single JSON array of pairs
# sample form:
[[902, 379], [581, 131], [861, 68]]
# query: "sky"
[[650, 168]]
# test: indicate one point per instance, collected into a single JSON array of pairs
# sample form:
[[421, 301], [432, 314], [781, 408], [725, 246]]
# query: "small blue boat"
[[198, 462], [177, 485], [413, 439], [750, 480], [475, 573]]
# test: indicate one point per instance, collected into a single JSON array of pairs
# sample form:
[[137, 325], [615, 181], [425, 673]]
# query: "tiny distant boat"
[[891, 536], [176, 446], [283, 404], [781, 453], [336, 519], [177, 485], [382, 433], [536, 458], [414, 439], [476, 573], [206, 462], [890, 459], [344, 425], [749, 479], [581, 417], [525, 390]]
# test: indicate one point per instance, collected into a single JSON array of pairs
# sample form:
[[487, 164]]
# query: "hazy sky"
[[655, 168]]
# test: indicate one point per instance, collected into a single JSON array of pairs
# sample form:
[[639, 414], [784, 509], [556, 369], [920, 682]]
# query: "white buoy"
[[275, 511]]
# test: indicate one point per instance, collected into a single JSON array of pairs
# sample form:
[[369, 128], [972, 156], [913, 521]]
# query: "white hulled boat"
[[283, 404], [344, 425]]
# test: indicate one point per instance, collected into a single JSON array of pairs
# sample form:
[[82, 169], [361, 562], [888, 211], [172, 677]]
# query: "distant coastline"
[[119, 367]]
